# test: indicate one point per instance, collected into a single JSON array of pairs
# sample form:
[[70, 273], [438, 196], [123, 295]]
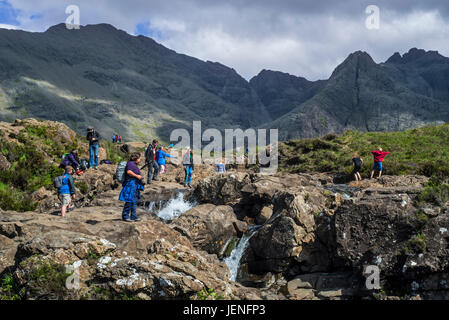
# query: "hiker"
[[187, 161], [160, 157], [120, 139], [92, 137], [113, 138], [67, 191], [358, 162], [379, 156], [132, 185], [71, 159], [150, 159], [221, 168]]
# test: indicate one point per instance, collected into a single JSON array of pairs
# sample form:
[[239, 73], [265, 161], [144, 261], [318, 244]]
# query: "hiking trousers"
[[189, 171], [129, 209], [93, 154], [153, 170]]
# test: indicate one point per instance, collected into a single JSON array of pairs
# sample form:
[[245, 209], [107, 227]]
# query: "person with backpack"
[[71, 159], [379, 156], [120, 139], [187, 161], [113, 138], [151, 162], [160, 157], [66, 189], [92, 137], [358, 162], [132, 185]]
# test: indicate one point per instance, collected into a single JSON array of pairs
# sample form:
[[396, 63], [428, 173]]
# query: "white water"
[[175, 207], [233, 261]]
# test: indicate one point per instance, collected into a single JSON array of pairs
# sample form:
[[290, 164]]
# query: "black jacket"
[[150, 155], [91, 135]]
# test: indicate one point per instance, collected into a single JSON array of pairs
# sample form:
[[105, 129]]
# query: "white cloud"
[[8, 26]]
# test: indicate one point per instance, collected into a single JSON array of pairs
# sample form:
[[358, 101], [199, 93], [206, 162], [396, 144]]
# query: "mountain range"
[[103, 77]]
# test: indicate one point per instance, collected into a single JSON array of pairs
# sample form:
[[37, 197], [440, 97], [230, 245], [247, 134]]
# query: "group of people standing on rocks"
[[116, 138], [134, 182], [72, 165], [378, 155]]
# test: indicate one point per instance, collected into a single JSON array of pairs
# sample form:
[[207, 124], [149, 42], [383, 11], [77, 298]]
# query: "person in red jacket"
[[379, 156]]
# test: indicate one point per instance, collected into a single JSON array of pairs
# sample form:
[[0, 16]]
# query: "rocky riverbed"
[[304, 238]]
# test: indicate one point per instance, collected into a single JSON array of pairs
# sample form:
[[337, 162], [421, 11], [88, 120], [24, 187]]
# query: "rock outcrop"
[[108, 258]]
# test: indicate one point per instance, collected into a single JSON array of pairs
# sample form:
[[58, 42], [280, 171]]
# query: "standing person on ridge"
[[132, 185], [358, 162], [379, 156], [150, 159], [187, 161], [92, 137]]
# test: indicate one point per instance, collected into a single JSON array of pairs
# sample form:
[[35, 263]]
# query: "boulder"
[[88, 255], [208, 227], [264, 215], [8, 249], [4, 163]]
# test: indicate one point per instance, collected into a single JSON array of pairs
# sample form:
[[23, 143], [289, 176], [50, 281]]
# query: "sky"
[[306, 38]]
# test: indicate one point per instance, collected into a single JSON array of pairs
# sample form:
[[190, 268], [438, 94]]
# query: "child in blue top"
[[67, 191], [160, 158]]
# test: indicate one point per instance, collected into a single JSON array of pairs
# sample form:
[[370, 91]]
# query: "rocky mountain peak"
[[415, 54]]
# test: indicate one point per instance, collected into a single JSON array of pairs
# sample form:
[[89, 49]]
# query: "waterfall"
[[233, 261], [174, 207]]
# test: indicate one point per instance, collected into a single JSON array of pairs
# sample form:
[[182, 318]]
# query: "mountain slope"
[[281, 92], [363, 95], [133, 86], [102, 76]]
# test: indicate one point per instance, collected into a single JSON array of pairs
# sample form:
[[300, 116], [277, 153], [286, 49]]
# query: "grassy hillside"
[[30, 153], [417, 151]]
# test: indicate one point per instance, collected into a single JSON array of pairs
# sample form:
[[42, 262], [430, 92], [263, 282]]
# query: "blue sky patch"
[[145, 29], [8, 15], [36, 16]]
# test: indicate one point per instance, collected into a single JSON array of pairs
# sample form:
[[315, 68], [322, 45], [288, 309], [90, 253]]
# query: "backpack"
[[58, 181], [84, 164], [120, 171]]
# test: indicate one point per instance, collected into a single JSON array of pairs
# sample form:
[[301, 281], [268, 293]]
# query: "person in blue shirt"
[[221, 168], [160, 158], [132, 186], [67, 191]]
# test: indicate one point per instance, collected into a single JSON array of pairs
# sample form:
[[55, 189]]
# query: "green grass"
[[113, 152], [209, 293], [423, 151], [9, 289], [416, 245], [49, 276], [436, 192], [31, 168]]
